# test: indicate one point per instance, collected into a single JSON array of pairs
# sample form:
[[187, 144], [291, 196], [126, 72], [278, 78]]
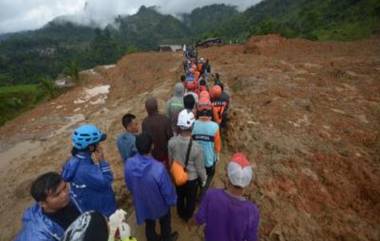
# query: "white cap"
[[239, 170], [185, 119]]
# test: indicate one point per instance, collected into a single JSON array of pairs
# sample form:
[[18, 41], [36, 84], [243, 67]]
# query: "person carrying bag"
[[187, 165], [178, 171]]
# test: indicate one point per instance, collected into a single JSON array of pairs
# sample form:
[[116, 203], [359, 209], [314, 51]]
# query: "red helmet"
[[191, 85], [216, 91]]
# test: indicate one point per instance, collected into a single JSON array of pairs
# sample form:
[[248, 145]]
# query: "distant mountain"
[[148, 28], [209, 18], [27, 56], [4, 36], [65, 31]]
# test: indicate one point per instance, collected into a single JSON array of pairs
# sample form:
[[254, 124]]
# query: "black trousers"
[[210, 171], [186, 198], [165, 225]]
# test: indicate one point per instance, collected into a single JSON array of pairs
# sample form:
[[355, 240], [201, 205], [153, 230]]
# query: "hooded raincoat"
[[39, 227], [91, 184], [175, 104], [152, 189]]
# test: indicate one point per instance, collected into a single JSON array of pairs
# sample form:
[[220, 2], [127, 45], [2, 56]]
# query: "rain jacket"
[[159, 127], [175, 104], [91, 184], [39, 227], [151, 187]]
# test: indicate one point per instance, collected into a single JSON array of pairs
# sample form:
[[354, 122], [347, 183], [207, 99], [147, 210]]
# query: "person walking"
[[175, 105], [152, 190], [206, 134], [226, 214], [159, 127], [189, 155]]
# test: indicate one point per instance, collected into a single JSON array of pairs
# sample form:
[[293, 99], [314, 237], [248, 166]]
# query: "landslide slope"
[[306, 113]]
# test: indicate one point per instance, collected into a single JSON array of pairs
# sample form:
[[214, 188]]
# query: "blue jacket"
[[126, 144], [38, 227], [91, 184], [151, 187]]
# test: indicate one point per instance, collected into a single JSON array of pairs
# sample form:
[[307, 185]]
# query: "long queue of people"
[[170, 163]]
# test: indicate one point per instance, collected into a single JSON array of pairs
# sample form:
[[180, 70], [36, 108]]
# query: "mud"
[[306, 113]]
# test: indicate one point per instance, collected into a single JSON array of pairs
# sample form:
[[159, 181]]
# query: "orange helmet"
[[204, 94], [204, 104], [216, 91]]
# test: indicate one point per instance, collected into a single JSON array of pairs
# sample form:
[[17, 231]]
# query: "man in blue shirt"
[[126, 141], [152, 190]]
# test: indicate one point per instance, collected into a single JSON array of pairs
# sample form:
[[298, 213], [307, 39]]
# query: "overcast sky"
[[17, 15]]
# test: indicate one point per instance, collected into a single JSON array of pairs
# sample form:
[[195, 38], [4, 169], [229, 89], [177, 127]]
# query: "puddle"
[[101, 100], [89, 71], [109, 66], [93, 92]]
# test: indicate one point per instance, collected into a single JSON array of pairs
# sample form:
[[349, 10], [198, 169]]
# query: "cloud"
[[17, 15]]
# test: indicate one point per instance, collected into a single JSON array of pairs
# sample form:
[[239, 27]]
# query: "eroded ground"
[[307, 114]]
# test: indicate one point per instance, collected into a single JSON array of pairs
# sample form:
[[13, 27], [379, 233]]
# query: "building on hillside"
[[210, 42], [170, 48], [63, 83]]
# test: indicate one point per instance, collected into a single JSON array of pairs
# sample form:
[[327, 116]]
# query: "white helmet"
[[185, 119]]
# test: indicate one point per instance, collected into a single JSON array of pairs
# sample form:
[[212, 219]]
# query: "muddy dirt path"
[[39, 140], [306, 113], [43, 142]]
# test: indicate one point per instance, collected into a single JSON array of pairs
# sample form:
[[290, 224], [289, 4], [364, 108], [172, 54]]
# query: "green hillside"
[[29, 56]]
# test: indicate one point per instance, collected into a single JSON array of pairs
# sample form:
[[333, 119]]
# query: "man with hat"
[[227, 215], [206, 133], [189, 154]]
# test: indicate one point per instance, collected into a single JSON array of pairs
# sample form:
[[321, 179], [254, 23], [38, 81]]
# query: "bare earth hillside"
[[306, 113]]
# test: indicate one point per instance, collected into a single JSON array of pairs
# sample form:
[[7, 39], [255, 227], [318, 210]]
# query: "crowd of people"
[[170, 163]]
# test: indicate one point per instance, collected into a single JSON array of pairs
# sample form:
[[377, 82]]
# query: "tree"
[[72, 70], [48, 87]]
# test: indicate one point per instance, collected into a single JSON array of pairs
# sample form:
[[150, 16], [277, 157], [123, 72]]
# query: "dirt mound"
[[308, 116], [264, 45]]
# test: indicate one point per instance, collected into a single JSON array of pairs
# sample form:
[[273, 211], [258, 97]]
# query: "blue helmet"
[[86, 135]]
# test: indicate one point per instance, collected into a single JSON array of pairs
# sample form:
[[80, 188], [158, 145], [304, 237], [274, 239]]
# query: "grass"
[[17, 99]]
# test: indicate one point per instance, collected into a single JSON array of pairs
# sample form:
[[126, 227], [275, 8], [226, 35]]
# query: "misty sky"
[[17, 15]]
